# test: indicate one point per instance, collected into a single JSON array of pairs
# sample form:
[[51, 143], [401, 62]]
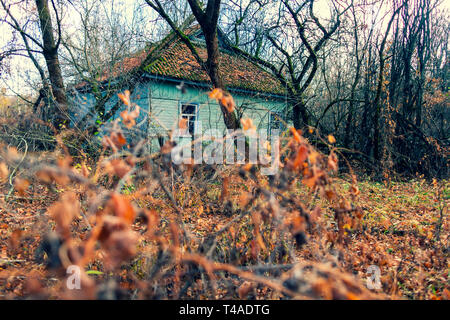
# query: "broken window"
[[188, 111]]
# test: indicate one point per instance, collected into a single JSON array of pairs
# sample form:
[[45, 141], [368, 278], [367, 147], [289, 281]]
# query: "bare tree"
[[208, 19], [48, 47], [296, 35], [93, 56]]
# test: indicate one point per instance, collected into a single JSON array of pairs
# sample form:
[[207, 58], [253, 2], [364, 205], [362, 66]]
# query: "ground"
[[404, 231]]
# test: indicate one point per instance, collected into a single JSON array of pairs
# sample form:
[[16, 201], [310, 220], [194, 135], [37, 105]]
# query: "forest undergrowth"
[[140, 227]]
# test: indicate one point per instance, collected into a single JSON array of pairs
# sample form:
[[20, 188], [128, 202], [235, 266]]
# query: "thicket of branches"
[[136, 218], [370, 77], [138, 226], [374, 74]]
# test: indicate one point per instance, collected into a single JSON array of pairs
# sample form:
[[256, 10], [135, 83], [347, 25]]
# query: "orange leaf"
[[228, 102], [312, 182], [182, 124], [216, 93], [332, 162], [118, 139], [3, 171], [295, 134], [128, 118], [313, 157], [125, 97], [354, 190], [301, 156], [64, 211], [225, 99], [331, 138], [351, 296], [21, 185], [117, 167], [123, 207], [247, 124]]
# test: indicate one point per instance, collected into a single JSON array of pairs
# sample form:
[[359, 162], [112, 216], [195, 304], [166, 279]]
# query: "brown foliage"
[[166, 231]]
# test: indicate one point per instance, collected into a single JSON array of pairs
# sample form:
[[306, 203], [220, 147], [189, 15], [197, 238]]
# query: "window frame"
[[195, 115], [272, 115]]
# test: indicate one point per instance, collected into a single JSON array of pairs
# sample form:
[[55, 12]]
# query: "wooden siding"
[[162, 100]]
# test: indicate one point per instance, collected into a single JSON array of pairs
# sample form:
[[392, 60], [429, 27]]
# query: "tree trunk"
[[377, 139], [50, 51], [212, 64], [348, 125], [299, 115]]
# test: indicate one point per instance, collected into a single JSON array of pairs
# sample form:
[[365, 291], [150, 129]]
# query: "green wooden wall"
[[161, 100]]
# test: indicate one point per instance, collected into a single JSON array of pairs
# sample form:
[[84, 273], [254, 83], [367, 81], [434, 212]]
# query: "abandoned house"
[[174, 86]]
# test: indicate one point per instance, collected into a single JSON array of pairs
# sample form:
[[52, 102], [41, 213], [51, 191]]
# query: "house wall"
[[161, 100]]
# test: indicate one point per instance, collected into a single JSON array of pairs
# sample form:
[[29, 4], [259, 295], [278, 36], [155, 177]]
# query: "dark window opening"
[[276, 122], [189, 112]]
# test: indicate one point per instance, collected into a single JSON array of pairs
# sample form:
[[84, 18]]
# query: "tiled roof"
[[178, 62], [175, 60]]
